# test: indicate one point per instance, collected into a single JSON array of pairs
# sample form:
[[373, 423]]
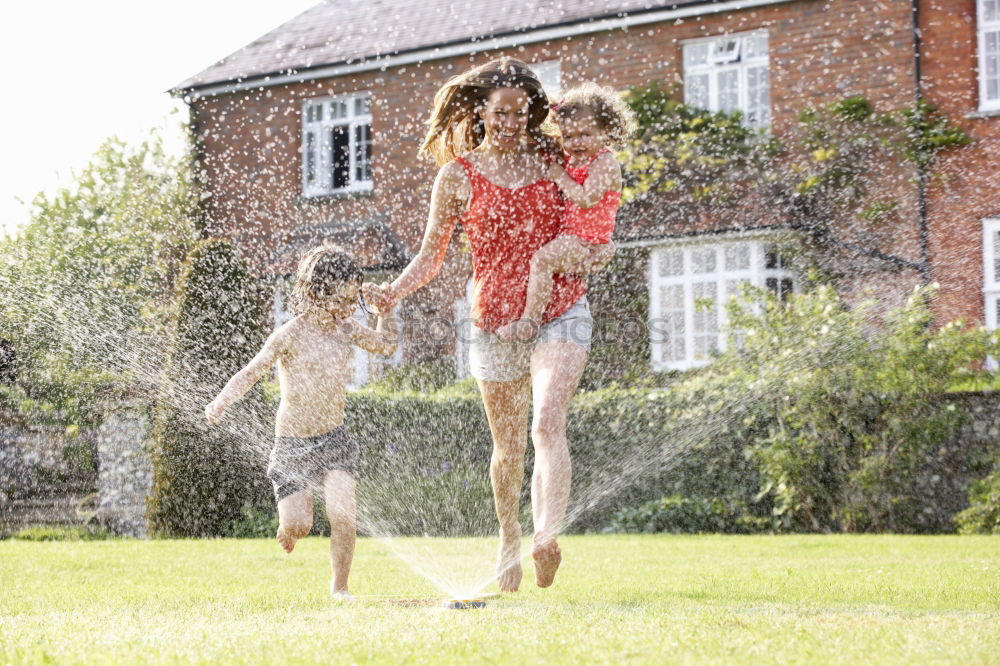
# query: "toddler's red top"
[[506, 226], [594, 224]]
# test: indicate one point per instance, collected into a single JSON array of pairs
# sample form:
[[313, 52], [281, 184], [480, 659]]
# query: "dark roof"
[[339, 31]]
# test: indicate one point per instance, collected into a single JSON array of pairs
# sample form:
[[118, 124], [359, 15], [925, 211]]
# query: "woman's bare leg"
[[556, 368], [294, 518], [506, 406], [341, 509]]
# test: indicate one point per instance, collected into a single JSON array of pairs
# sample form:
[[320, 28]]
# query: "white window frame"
[[549, 72], [991, 272], [319, 117], [463, 331], [724, 283], [714, 56], [988, 30]]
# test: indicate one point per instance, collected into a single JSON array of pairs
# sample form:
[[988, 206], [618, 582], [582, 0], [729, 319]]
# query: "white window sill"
[[984, 113], [335, 196]]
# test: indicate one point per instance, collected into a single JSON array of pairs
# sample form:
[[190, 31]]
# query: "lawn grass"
[[618, 599]]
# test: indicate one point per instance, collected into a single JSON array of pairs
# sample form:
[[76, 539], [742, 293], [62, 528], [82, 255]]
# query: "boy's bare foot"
[[509, 564], [286, 538], [547, 557], [520, 330]]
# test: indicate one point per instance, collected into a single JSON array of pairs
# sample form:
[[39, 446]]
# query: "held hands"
[[379, 296], [214, 412]]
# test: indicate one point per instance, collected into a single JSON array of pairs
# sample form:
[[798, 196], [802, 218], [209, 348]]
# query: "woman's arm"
[[243, 380], [448, 201], [604, 175]]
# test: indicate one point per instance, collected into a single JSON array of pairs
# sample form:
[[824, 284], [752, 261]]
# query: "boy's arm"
[[604, 175], [243, 380], [382, 340]]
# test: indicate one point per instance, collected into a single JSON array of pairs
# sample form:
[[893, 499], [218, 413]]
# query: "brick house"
[[311, 132]]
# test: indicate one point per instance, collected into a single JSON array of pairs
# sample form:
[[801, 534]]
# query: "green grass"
[[618, 599]]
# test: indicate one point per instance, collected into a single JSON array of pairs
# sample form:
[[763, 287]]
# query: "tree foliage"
[[206, 477], [85, 286]]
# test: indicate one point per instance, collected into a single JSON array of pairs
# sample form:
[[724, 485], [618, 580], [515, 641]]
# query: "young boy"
[[312, 449]]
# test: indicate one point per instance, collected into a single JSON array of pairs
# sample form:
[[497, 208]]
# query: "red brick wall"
[[820, 51], [968, 188]]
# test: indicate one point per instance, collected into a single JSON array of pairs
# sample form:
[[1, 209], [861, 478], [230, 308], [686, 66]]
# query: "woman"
[[486, 132]]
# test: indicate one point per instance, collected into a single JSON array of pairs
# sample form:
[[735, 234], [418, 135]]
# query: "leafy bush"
[[85, 286], [855, 411], [983, 514], [685, 515], [205, 477]]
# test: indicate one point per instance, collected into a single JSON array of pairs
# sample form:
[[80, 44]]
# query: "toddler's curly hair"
[[607, 107]]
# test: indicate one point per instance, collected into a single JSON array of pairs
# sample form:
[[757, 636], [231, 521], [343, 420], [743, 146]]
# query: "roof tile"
[[337, 31]]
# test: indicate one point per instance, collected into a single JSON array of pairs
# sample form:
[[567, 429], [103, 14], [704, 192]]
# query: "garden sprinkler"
[[478, 601], [463, 604]]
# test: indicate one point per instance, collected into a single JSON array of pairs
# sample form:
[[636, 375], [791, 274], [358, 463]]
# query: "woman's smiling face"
[[505, 117]]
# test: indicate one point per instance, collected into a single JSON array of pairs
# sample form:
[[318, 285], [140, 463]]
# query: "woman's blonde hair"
[[322, 270], [456, 127], [604, 104]]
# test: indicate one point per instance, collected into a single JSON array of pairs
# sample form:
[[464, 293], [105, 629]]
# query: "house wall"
[[968, 188], [820, 51]]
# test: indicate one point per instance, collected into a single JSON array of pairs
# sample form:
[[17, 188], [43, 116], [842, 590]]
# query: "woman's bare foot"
[[287, 538], [521, 330], [341, 596], [509, 572], [547, 557]]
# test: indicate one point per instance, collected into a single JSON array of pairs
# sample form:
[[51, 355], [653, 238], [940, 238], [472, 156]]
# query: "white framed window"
[[991, 272], [988, 15], [337, 145], [463, 329], [730, 73], [689, 284], [549, 72]]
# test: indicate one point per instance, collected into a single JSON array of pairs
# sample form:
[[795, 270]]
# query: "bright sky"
[[77, 72]]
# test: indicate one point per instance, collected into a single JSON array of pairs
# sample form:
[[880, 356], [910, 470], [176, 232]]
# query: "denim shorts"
[[492, 359]]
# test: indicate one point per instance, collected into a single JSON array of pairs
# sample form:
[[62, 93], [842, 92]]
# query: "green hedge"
[[425, 459]]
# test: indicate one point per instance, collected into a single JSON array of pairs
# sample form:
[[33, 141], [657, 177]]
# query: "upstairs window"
[[337, 145], [989, 54], [730, 74]]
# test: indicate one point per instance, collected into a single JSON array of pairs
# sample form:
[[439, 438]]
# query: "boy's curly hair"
[[609, 110], [321, 271]]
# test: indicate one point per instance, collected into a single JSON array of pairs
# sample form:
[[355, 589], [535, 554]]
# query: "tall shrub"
[[855, 409], [205, 477]]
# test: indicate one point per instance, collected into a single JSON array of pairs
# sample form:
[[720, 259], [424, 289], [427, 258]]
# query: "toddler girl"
[[591, 119]]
